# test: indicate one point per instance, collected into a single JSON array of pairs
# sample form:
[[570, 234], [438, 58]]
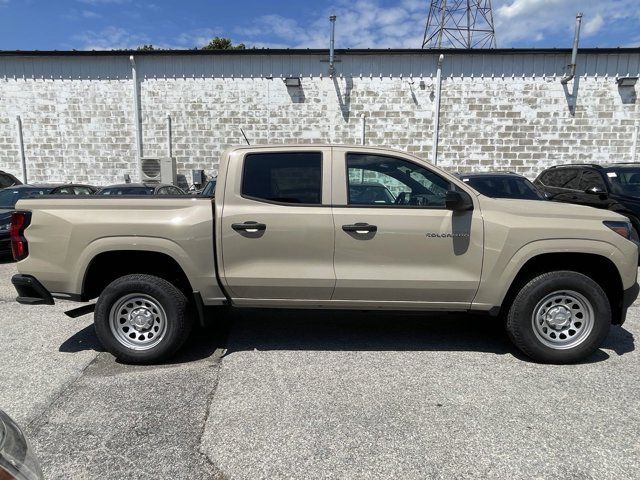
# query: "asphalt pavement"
[[302, 394]]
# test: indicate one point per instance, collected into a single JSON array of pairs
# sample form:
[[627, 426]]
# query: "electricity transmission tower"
[[459, 24]]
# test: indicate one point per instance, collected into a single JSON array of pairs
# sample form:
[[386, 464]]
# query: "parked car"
[[8, 198], [286, 232], [502, 185], [17, 460], [8, 180], [141, 189], [74, 189], [614, 187]]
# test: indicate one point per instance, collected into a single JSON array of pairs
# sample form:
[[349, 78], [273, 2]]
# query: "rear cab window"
[[289, 178]]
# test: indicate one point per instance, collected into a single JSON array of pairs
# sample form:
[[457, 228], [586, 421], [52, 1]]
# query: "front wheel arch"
[[600, 269]]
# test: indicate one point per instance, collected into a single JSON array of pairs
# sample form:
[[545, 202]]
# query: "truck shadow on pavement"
[[383, 331], [265, 329], [201, 344]]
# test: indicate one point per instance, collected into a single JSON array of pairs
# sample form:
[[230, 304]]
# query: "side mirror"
[[458, 201], [594, 190]]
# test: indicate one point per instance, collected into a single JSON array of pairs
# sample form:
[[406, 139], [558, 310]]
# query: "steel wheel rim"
[[138, 321], [563, 319]]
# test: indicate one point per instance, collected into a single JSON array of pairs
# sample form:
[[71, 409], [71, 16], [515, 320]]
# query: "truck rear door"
[[395, 240], [276, 225]]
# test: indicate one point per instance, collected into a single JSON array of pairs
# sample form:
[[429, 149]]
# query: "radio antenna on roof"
[[245, 137]]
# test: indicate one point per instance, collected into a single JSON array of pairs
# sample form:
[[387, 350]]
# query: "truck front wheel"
[[142, 319], [559, 317]]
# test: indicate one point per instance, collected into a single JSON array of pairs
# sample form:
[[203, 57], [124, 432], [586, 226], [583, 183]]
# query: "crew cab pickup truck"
[[292, 227]]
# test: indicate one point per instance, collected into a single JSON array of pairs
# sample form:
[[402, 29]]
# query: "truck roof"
[[285, 146]]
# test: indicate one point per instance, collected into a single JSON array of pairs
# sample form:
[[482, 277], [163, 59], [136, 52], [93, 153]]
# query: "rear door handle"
[[249, 227], [360, 228]]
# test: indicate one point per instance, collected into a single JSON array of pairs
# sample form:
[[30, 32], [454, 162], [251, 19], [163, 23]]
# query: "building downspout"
[[634, 147], [23, 158], [574, 53], [436, 118], [169, 143], [332, 42], [137, 117], [363, 126]]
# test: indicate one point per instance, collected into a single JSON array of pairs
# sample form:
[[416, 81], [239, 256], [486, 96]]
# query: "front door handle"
[[360, 228], [249, 227]]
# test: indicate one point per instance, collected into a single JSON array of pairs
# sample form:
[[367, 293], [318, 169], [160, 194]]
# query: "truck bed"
[[69, 232]]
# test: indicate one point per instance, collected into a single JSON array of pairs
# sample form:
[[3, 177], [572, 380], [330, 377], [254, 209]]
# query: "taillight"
[[19, 222]]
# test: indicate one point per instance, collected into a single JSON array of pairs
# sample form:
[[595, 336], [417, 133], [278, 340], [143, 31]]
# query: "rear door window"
[[590, 179], [290, 178], [562, 178]]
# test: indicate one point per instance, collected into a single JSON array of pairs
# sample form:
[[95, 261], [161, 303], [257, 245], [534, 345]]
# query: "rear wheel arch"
[[107, 266], [597, 267]]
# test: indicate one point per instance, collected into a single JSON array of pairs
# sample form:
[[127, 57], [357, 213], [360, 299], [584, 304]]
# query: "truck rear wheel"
[[142, 319], [559, 317]]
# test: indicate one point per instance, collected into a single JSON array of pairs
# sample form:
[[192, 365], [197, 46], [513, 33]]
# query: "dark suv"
[[615, 187]]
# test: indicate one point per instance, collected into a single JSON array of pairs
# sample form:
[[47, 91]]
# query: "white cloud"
[[594, 25], [111, 38], [369, 24], [522, 20], [360, 24]]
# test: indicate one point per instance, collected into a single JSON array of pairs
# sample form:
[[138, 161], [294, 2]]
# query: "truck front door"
[[396, 242], [277, 229]]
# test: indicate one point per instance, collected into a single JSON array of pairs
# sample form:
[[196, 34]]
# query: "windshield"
[[624, 181], [505, 187], [127, 191], [9, 196]]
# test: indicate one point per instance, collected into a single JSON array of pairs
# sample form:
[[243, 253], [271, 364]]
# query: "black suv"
[[615, 187]]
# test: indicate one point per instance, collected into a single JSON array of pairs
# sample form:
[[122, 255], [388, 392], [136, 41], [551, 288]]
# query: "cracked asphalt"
[[301, 394]]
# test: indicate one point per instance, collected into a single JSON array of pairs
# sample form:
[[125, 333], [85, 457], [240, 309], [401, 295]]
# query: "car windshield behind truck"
[[505, 187], [624, 181]]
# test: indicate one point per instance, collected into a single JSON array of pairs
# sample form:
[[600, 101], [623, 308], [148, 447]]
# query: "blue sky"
[[106, 24]]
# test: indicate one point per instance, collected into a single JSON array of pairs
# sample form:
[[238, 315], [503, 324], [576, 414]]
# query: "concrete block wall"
[[82, 129]]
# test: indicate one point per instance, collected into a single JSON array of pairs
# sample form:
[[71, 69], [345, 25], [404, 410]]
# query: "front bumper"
[[628, 297], [31, 291]]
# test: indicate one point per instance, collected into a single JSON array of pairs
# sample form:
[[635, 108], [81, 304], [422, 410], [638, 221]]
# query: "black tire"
[[520, 323], [176, 318]]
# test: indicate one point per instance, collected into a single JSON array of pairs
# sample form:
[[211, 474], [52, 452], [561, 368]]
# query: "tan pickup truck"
[[314, 226]]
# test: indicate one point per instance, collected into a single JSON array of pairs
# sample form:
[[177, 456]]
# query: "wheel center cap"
[[558, 317], [141, 319]]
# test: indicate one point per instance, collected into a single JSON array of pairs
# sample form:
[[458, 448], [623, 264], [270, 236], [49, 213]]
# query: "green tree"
[[220, 43], [146, 48]]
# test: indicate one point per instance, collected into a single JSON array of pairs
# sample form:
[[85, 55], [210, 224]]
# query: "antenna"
[[460, 24], [245, 137]]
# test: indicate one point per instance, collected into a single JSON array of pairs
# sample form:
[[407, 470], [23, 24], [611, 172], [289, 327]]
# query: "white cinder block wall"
[[499, 110]]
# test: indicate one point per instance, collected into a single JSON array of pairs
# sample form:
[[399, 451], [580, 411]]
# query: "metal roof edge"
[[309, 51]]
